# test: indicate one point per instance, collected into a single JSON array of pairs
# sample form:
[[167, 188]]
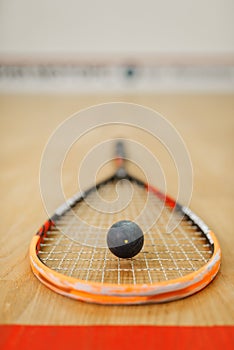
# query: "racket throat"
[[121, 173]]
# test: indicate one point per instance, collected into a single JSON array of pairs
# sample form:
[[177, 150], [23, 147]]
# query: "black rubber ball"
[[125, 239]]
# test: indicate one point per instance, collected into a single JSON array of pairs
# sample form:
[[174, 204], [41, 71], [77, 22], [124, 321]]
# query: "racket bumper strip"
[[125, 294]]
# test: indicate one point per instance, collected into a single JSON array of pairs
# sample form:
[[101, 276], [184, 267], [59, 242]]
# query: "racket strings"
[[163, 257]]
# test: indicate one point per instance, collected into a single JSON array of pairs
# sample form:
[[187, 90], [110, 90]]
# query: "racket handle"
[[120, 156], [120, 150]]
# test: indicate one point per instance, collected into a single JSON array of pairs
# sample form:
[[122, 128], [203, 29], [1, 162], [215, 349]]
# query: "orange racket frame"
[[126, 294]]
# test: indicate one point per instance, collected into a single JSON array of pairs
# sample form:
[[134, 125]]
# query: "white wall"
[[120, 26]]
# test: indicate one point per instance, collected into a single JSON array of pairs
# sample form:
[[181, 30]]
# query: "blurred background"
[[58, 57], [116, 46]]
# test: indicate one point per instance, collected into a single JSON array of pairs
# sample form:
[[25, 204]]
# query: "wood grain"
[[206, 123]]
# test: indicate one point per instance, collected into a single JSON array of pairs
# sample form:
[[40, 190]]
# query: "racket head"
[[157, 274]]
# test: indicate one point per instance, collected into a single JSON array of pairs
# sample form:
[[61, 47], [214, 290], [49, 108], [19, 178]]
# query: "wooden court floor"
[[206, 123]]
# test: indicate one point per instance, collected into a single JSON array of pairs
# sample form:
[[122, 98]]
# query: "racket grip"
[[120, 156], [120, 150]]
